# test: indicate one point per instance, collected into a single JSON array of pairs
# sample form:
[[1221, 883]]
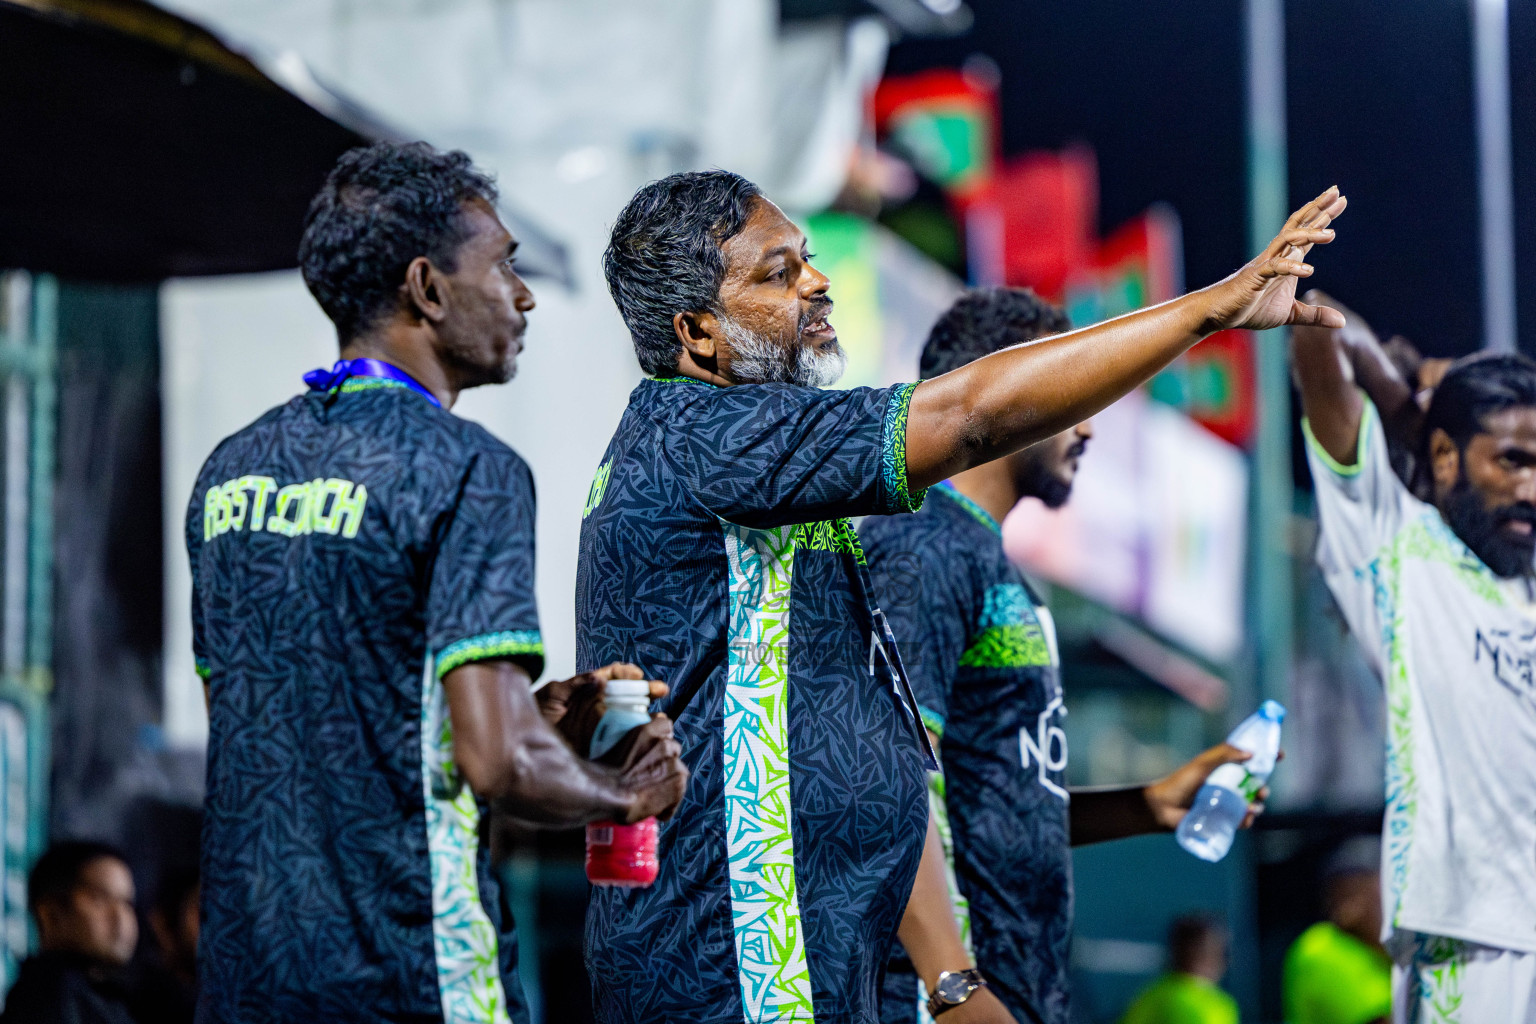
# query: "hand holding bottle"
[[623, 853], [1225, 801]]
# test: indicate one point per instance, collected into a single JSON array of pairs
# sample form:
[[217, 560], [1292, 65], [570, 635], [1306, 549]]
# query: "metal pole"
[[1270, 611], [18, 706], [45, 338], [1269, 601], [39, 653], [1490, 63], [13, 590]]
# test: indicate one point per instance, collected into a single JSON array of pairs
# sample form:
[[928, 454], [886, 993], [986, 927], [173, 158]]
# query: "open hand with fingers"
[[1263, 293]]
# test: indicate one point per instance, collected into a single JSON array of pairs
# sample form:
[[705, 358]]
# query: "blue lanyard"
[[324, 380]]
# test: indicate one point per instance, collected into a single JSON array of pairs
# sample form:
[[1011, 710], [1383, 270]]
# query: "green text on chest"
[[256, 503]]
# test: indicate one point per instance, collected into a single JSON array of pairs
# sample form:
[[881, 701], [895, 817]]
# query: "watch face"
[[954, 987]]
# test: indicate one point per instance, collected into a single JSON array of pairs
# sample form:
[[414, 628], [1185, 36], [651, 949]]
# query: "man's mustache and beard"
[[1038, 477], [758, 359], [476, 360], [1483, 529]]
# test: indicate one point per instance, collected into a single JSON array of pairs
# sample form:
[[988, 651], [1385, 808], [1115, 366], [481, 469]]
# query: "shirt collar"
[[948, 489]]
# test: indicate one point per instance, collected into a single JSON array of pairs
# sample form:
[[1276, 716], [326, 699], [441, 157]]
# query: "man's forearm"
[[547, 784], [1011, 399], [509, 754], [928, 930], [1325, 376], [1381, 380], [1099, 815]]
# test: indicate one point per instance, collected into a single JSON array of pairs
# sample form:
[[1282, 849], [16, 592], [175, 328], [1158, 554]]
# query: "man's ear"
[[49, 920], [424, 291], [1444, 461], [699, 333]]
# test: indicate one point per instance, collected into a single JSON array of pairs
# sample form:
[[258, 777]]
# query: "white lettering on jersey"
[[1048, 746]]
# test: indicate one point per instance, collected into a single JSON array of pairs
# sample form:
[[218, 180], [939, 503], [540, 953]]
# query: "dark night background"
[[1380, 102]]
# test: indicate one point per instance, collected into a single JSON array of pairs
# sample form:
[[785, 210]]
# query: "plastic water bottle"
[[1209, 827], [622, 855]]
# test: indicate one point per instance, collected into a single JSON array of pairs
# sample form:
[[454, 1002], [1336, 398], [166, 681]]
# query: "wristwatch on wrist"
[[954, 988]]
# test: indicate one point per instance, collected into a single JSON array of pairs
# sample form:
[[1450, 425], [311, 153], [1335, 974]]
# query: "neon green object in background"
[[1331, 977], [1181, 999]]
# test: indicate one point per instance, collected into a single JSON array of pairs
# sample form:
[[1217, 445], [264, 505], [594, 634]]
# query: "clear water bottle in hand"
[[1208, 829], [622, 855]]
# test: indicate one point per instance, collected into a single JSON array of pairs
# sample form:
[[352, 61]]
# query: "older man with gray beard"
[[716, 553]]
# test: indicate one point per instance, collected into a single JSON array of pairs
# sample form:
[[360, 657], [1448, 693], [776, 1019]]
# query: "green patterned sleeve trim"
[[513, 643], [893, 453], [202, 669], [1329, 460], [932, 720]]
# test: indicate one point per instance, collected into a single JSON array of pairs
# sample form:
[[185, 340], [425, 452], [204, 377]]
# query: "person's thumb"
[[1225, 753]]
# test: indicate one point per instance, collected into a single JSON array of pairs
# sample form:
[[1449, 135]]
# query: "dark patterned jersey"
[[715, 553], [981, 652], [348, 549]]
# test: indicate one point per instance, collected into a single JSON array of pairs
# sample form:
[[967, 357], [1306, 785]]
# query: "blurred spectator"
[[81, 895], [1188, 993], [1337, 972], [166, 992]]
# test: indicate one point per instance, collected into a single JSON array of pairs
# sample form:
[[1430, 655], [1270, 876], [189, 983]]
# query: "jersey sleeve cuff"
[[522, 645], [1338, 468], [893, 453], [202, 669]]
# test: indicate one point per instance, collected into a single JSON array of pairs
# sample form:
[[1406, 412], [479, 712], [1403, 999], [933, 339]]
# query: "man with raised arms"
[[716, 553], [363, 617], [1441, 594]]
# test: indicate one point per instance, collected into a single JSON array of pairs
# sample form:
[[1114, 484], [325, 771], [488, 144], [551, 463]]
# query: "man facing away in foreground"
[[716, 552], [364, 618], [981, 649], [1441, 595]]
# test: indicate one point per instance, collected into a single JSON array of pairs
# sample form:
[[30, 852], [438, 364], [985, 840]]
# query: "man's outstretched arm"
[[1011, 399], [511, 754]]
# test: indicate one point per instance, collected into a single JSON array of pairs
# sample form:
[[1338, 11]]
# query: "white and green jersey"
[[1456, 648]]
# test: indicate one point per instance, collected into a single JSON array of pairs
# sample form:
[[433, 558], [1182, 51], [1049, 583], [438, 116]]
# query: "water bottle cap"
[[628, 688], [1272, 710]]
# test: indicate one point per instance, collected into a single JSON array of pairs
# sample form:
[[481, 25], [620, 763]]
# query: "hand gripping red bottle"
[[621, 855]]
